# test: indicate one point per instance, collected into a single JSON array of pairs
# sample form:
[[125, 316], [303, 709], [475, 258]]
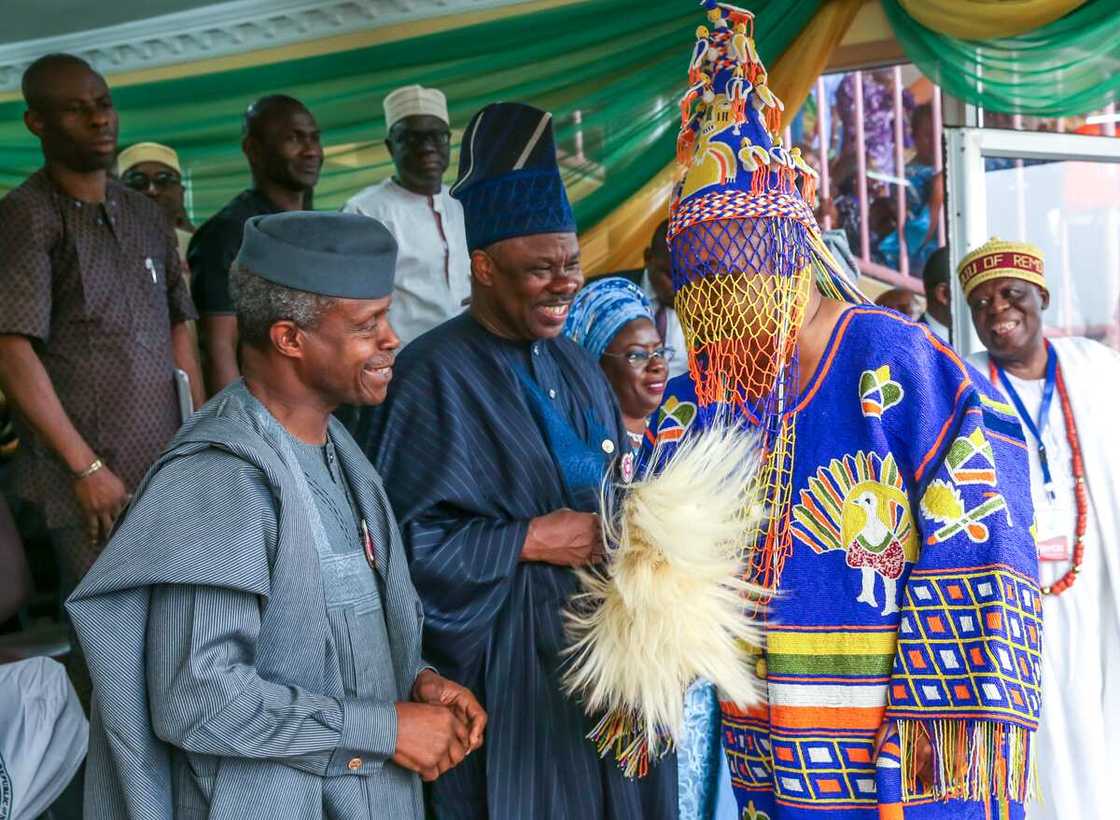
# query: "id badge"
[[1054, 543]]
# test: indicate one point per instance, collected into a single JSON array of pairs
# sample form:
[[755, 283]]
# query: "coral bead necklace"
[[1080, 493]]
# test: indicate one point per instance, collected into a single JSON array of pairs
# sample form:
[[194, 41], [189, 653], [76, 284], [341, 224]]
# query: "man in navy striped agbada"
[[493, 446], [251, 629]]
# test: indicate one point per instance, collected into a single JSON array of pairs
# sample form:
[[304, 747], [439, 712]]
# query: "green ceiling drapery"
[[611, 71], [1070, 66]]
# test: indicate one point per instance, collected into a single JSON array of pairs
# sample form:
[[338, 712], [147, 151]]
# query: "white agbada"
[[43, 736], [433, 264], [1078, 742]]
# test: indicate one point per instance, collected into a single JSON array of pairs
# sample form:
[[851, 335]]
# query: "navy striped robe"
[[480, 435]]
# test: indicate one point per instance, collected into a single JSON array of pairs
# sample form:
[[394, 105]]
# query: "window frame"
[[966, 194]]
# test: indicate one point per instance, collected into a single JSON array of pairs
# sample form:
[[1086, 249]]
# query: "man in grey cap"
[[251, 628]]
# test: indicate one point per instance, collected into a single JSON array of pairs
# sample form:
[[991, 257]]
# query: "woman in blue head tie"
[[613, 320]]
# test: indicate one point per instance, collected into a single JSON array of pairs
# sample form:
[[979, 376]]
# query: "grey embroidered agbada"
[[243, 665]]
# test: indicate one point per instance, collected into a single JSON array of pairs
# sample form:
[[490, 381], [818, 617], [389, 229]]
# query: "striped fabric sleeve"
[[463, 571], [421, 667], [206, 696], [369, 728]]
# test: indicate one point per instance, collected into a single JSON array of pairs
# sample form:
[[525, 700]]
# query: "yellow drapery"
[[987, 19], [618, 241]]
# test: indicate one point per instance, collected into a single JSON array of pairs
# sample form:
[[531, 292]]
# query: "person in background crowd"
[[658, 285], [277, 664], [281, 142], [94, 312], [613, 321], [938, 315], [904, 300], [844, 205], [1065, 392], [16, 586], [493, 445], [154, 170], [835, 239], [879, 142], [657, 281], [9, 440], [925, 196], [433, 266], [878, 124], [882, 223], [925, 192], [43, 731]]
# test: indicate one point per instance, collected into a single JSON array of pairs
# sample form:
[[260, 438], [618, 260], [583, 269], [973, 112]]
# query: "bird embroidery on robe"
[[858, 504], [875, 549]]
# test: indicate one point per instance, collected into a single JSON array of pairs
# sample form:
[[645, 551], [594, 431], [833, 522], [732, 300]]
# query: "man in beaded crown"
[[895, 482]]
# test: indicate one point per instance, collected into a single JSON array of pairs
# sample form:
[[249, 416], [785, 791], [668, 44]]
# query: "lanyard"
[[1039, 427]]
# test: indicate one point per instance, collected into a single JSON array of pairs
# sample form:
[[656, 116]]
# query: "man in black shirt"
[[281, 142]]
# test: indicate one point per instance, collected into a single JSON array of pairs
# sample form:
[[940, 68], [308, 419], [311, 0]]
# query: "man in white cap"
[[433, 265], [154, 170]]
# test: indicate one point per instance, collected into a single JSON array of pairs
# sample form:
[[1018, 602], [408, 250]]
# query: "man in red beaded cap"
[[1065, 392]]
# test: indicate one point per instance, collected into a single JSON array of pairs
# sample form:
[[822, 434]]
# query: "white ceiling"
[[35, 19], [118, 36]]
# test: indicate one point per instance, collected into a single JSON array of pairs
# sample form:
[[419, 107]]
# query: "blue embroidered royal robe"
[[909, 595]]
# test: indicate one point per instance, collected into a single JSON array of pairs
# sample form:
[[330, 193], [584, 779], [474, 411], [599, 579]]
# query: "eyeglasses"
[[139, 181], [640, 359], [417, 139]]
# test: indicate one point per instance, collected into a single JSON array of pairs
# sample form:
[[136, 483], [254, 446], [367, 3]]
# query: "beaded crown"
[[729, 146]]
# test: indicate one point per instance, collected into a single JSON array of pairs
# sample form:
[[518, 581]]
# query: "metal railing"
[[903, 276]]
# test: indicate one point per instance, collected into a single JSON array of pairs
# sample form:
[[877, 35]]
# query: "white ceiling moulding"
[[222, 29]]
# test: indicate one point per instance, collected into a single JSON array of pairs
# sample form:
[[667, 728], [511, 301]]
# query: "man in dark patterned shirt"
[[93, 318]]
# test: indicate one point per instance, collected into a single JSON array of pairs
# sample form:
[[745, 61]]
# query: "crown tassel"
[[809, 189], [739, 50], [789, 179], [686, 144], [759, 179], [695, 92], [737, 96], [809, 176], [773, 119]]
